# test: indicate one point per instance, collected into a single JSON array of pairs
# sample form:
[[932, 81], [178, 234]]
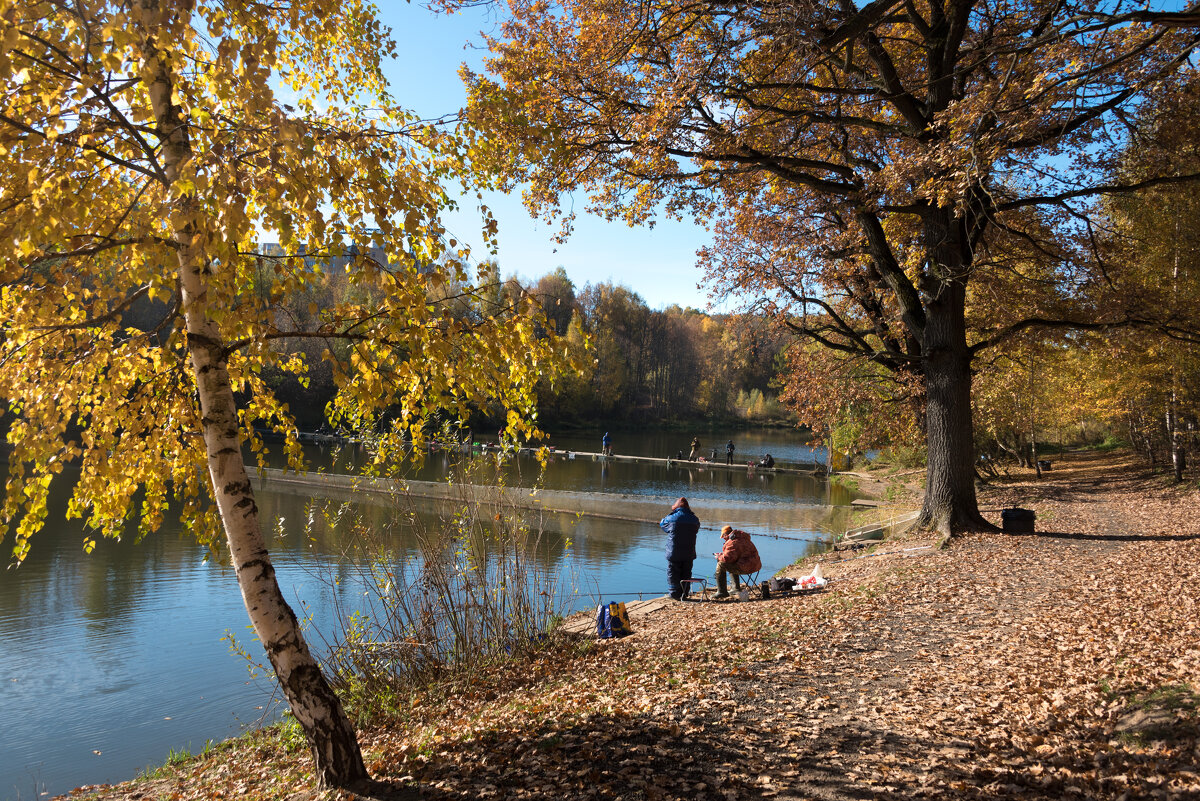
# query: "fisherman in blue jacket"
[[681, 527]]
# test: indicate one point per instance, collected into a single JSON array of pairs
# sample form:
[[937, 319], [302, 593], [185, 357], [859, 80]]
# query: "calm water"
[[109, 661]]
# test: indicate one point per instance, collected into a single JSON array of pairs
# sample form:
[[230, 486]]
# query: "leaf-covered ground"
[[1056, 665]]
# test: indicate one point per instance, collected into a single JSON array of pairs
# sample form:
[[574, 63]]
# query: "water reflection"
[[110, 659]]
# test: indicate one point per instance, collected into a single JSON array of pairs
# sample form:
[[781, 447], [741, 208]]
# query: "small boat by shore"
[[872, 532]]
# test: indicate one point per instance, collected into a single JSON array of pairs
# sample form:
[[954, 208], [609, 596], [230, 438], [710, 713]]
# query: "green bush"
[[1110, 443], [904, 457]]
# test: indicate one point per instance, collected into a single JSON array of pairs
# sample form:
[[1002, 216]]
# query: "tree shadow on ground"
[[751, 756], [610, 757], [368, 790], [883, 764], [1068, 535], [1080, 475]]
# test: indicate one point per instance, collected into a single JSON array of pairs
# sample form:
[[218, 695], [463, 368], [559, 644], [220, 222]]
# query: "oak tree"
[[861, 167], [146, 148]]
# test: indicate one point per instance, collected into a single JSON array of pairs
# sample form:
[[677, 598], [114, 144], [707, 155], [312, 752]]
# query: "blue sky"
[[659, 264]]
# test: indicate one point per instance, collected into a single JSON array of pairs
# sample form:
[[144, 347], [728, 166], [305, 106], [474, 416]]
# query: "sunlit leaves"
[[291, 136]]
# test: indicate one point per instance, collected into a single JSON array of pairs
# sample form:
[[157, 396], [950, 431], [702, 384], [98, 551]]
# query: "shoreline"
[[1000, 667]]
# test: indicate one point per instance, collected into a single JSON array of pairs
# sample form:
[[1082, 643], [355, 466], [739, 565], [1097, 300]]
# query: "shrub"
[[1111, 443], [445, 590]]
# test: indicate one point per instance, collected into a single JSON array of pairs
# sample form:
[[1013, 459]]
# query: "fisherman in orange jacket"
[[739, 557]]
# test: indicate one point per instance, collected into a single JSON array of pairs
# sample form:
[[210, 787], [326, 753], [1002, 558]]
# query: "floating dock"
[[794, 468], [791, 468]]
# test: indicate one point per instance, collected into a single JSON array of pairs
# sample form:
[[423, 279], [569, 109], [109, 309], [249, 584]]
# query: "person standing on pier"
[[729, 452], [606, 444], [681, 526], [695, 449]]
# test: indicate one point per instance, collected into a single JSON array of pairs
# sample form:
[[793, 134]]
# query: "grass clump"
[[1110, 443], [1172, 697], [444, 592], [1165, 714], [177, 758], [849, 482]]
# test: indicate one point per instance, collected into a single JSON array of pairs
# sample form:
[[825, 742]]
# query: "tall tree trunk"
[[1188, 435], [1022, 450], [1148, 436], [336, 754], [1014, 450], [1174, 430], [1175, 437], [1033, 453], [950, 503]]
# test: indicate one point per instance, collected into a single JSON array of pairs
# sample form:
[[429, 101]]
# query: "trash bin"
[[1043, 464], [1017, 520]]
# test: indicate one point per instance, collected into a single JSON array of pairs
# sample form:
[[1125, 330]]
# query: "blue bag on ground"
[[612, 621]]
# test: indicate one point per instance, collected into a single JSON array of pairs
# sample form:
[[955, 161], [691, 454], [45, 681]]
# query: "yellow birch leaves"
[[93, 367]]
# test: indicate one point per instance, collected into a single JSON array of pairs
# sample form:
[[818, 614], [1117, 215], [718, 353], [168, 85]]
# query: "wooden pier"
[[794, 469]]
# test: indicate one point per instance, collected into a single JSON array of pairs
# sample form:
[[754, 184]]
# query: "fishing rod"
[[639, 594], [817, 527], [409, 486], [785, 537], [656, 593], [715, 529]]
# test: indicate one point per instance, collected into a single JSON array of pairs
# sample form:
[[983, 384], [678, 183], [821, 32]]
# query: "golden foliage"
[[288, 133]]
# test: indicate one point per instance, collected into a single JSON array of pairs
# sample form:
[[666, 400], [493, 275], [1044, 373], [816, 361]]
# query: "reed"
[[443, 588]]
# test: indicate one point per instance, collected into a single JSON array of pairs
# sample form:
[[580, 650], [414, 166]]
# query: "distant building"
[[273, 250]]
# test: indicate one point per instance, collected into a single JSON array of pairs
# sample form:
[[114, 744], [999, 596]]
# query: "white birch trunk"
[[338, 760]]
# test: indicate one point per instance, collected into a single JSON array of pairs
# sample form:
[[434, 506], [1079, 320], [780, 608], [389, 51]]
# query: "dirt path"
[[996, 670], [1058, 665]]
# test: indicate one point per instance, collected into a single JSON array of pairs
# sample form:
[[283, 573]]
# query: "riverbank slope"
[[1058, 664]]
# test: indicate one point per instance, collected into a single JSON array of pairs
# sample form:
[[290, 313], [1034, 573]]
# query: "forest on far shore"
[[642, 367], [638, 366]]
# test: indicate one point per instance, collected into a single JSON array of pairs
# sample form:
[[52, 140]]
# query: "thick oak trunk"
[[336, 754], [950, 504]]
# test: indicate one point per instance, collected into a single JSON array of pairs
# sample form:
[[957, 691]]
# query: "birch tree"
[[144, 152]]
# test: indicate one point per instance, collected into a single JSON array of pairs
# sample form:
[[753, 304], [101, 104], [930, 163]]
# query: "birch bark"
[[336, 754]]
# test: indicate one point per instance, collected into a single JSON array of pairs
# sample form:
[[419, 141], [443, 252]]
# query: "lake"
[[112, 660]]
